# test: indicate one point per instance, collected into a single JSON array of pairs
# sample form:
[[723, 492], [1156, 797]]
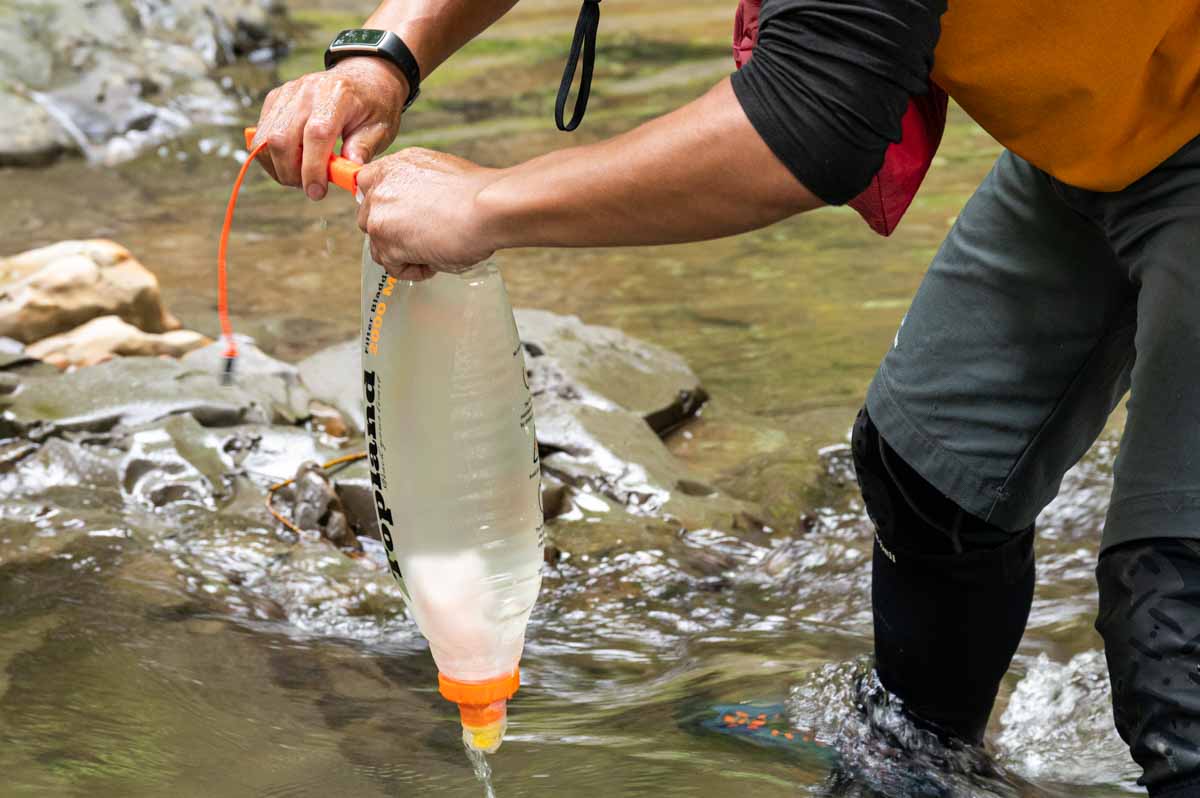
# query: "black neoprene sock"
[[951, 593], [1150, 620]]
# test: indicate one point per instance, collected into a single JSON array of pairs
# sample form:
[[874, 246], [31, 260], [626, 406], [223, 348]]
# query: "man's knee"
[[910, 513], [1150, 620]]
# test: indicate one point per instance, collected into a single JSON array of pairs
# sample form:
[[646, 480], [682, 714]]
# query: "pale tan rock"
[[109, 336], [54, 289]]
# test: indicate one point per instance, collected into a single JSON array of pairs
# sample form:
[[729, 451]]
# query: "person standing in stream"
[[1071, 276]]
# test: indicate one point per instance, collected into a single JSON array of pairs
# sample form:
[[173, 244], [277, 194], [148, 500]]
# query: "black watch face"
[[359, 37]]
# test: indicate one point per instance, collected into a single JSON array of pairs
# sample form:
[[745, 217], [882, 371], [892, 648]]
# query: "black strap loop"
[[585, 41]]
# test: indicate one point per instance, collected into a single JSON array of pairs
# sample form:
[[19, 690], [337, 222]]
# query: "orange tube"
[[343, 172]]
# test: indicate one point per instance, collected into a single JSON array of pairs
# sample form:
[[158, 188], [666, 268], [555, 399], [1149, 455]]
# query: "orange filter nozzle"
[[343, 172], [483, 707]]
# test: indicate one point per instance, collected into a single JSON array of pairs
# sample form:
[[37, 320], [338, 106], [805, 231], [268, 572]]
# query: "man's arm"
[[807, 122], [360, 99], [700, 172]]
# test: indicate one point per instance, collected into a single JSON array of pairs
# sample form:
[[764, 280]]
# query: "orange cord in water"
[[222, 269]]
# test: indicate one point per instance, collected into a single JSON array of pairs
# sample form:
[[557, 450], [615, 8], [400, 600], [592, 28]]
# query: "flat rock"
[[125, 392], [174, 460], [54, 289], [615, 454], [256, 372], [108, 337], [604, 368], [334, 376]]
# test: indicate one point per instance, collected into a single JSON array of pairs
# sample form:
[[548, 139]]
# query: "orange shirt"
[[1095, 92]]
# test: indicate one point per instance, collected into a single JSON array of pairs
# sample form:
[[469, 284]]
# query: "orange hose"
[[222, 269]]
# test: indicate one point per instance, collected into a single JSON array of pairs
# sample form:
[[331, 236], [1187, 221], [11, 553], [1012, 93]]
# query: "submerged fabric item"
[[846, 114], [950, 593], [1097, 93], [1022, 339], [1150, 621]]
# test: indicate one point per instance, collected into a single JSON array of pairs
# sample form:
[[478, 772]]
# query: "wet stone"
[[122, 76], [604, 368], [313, 504], [278, 384], [174, 461], [334, 376], [124, 393]]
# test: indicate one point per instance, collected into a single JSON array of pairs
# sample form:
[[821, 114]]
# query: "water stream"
[[483, 771]]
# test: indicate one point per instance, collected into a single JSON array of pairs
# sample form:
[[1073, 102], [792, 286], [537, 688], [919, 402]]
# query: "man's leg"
[[1149, 571], [951, 593], [1004, 371]]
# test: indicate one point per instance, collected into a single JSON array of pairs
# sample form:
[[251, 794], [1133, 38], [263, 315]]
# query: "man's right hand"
[[360, 99]]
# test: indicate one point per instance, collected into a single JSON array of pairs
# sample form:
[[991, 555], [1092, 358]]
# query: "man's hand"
[[421, 213], [360, 99]]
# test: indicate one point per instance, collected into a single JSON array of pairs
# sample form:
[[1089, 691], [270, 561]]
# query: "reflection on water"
[[188, 649]]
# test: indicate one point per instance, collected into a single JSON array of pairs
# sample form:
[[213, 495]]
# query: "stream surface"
[[177, 651]]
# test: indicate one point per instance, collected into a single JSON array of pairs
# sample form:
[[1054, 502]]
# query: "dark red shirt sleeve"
[[829, 83]]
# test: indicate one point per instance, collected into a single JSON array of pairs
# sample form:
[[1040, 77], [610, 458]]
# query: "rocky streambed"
[[108, 78], [135, 514], [145, 420]]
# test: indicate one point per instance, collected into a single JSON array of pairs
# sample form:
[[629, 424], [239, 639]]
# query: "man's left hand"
[[420, 212]]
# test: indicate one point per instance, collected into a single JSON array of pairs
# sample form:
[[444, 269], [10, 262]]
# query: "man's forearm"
[[698, 173], [435, 29]]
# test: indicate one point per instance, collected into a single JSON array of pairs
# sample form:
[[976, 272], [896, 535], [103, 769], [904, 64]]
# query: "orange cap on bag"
[[482, 706]]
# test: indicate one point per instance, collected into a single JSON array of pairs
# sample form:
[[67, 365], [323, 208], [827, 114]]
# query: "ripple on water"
[[1059, 725]]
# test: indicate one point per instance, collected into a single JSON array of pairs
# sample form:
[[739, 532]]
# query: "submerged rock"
[[174, 461], [109, 77], [54, 289], [107, 337]]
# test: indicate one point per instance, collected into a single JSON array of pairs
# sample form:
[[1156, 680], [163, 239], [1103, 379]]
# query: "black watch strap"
[[386, 45]]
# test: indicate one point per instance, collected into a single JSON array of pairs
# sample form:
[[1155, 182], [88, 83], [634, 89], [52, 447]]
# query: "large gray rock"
[[277, 383], [334, 376], [107, 77], [601, 401], [52, 290], [602, 367], [124, 393], [615, 454], [31, 135]]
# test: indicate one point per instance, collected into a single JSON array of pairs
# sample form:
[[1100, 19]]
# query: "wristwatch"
[[380, 44]]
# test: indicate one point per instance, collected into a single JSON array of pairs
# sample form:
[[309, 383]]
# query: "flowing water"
[[483, 771], [188, 649]]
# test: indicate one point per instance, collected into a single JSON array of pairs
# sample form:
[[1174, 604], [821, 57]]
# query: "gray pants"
[[1043, 307], [1023, 336]]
